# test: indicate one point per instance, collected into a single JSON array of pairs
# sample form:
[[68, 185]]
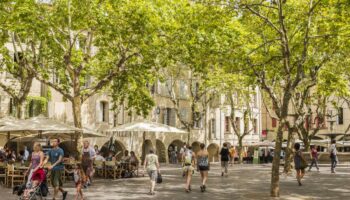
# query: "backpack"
[[188, 157]]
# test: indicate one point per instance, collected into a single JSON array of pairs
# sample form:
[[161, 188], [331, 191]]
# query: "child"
[[79, 179]]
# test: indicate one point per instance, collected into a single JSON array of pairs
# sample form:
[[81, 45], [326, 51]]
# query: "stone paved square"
[[243, 182]]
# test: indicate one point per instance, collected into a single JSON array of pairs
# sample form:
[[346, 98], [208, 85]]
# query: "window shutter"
[[172, 117], [165, 116]]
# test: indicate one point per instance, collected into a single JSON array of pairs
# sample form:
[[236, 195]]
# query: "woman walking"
[[152, 165], [314, 158], [203, 165], [36, 174], [299, 163]]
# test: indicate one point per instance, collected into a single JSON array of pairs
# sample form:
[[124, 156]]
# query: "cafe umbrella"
[[145, 126]]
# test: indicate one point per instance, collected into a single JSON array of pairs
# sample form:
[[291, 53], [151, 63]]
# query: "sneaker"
[[222, 173], [65, 195]]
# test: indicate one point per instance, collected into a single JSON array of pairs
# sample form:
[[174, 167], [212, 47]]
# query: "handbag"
[[159, 178], [303, 164]]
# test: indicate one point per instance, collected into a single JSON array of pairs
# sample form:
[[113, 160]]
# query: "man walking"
[[333, 156], [225, 156], [55, 157], [314, 158], [87, 160]]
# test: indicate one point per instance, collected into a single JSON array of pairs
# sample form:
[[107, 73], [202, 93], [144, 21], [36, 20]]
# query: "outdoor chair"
[[14, 176], [134, 170], [112, 170], [99, 168], [3, 172]]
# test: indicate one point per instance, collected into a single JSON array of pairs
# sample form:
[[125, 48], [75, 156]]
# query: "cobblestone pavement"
[[243, 182]]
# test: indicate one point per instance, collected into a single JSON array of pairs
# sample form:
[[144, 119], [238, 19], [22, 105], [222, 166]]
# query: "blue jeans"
[[314, 162], [334, 163]]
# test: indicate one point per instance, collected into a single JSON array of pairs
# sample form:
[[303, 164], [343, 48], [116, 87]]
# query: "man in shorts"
[[225, 157], [55, 157]]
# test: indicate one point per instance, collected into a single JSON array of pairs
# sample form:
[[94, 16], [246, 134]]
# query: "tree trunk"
[[76, 104], [275, 186], [19, 108], [20, 111], [240, 149], [306, 144], [289, 152]]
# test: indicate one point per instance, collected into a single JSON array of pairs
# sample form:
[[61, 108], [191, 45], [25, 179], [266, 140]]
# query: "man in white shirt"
[[26, 154], [99, 157], [333, 156]]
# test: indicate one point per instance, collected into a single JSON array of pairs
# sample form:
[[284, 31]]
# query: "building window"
[[212, 126], [11, 107], [198, 120], [274, 122], [227, 124], [340, 115], [169, 117], [255, 126], [166, 88], [104, 111], [183, 89], [255, 100], [321, 122], [31, 109], [195, 88], [238, 124]]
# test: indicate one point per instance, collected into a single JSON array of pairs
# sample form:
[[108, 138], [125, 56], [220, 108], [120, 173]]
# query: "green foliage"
[[36, 105], [86, 45]]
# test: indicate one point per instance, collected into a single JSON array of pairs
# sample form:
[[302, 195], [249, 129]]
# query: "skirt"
[[38, 175], [203, 168]]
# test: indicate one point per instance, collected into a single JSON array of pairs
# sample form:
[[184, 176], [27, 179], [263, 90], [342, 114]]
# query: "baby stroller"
[[38, 192]]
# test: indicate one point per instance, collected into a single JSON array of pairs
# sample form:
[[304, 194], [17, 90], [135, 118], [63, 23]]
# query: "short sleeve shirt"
[[224, 154], [91, 151], [152, 162], [54, 155]]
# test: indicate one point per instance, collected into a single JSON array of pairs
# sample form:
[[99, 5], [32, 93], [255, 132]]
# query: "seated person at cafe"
[[110, 156], [134, 161], [126, 157], [125, 161], [2, 155], [99, 157]]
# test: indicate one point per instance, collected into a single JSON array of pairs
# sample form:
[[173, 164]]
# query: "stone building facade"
[[213, 129], [334, 125]]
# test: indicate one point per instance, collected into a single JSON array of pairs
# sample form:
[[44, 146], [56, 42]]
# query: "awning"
[[64, 135], [146, 126], [36, 124]]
